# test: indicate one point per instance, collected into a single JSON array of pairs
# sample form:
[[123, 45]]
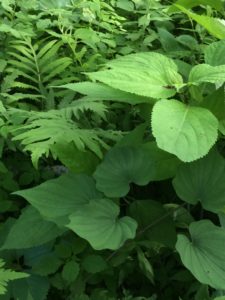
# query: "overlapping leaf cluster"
[[112, 125]]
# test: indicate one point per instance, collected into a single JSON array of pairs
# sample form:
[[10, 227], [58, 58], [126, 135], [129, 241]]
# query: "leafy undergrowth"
[[112, 126]]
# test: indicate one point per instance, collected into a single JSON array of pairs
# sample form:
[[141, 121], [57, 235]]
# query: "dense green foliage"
[[112, 167]]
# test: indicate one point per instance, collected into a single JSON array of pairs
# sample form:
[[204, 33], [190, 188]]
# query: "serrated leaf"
[[57, 198], [70, 271], [186, 131], [206, 73], [30, 230], [203, 181], [145, 74], [214, 53], [204, 255], [98, 223], [94, 264]]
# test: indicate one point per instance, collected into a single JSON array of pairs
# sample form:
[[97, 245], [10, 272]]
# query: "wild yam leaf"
[[186, 131], [57, 198], [204, 255], [30, 230], [146, 74], [203, 181], [98, 222], [122, 166]]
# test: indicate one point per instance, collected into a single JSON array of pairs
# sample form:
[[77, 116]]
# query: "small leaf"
[[70, 271], [186, 131], [94, 264], [145, 265], [98, 223], [206, 73], [204, 255]]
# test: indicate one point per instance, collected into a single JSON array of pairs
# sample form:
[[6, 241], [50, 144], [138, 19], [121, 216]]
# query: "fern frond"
[[40, 135]]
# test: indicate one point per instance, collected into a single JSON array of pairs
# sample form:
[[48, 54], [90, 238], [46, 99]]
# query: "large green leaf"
[[57, 198], [122, 166], [98, 223], [214, 53], [99, 92], [206, 73], [30, 230], [214, 26], [145, 74], [203, 181], [186, 131], [204, 255], [154, 221]]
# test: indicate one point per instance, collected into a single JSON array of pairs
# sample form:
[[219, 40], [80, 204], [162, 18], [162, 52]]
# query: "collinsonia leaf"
[[122, 166], [206, 73], [203, 181], [30, 230], [58, 198], [214, 26], [204, 255], [98, 223], [214, 53], [186, 131], [146, 74], [98, 92]]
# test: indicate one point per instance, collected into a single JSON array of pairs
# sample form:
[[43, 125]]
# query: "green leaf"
[[98, 223], [206, 73], [186, 131], [214, 26], [99, 92], [153, 220], [46, 265], [94, 264], [122, 166], [57, 198], [7, 276], [215, 102], [30, 230], [145, 74], [217, 4], [145, 265], [204, 255], [32, 288], [70, 271], [203, 181], [214, 53]]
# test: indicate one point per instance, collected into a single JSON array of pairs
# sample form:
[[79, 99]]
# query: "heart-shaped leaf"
[[122, 166], [204, 255], [98, 223], [203, 181]]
